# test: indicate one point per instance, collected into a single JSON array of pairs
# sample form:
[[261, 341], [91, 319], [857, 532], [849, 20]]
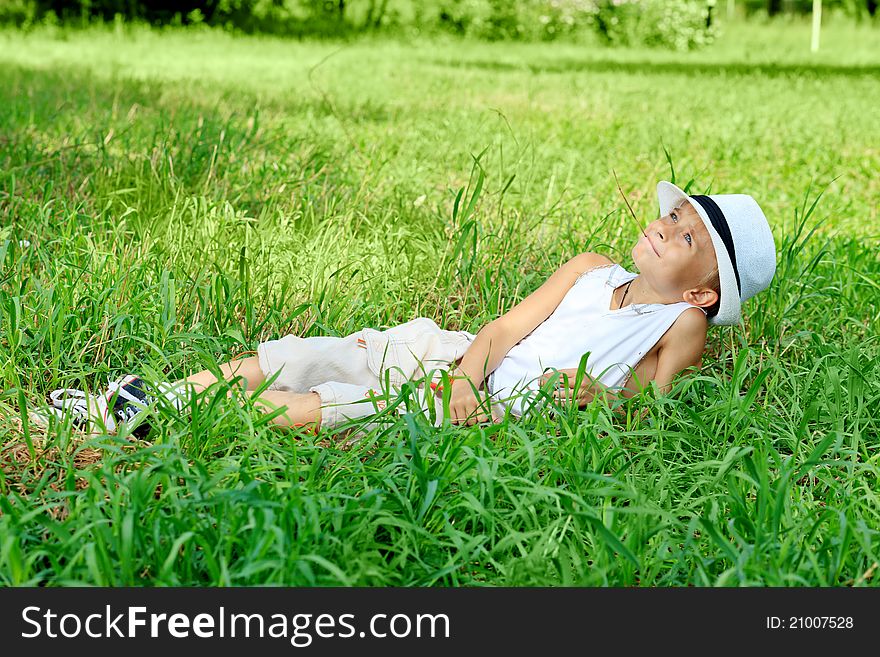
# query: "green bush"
[[526, 20], [676, 24], [18, 12], [679, 24]]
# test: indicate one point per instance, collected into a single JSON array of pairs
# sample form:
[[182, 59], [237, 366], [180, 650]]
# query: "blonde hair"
[[712, 281]]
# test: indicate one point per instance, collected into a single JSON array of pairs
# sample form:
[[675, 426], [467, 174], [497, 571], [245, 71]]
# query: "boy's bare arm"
[[497, 337], [683, 350]]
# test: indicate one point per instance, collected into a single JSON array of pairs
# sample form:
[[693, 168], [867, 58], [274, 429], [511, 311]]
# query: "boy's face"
[[677, 255]]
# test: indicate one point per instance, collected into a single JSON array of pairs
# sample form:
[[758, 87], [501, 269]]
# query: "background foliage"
[[679, 24]]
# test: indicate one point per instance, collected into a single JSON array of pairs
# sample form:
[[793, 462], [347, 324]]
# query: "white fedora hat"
[[743, 244]]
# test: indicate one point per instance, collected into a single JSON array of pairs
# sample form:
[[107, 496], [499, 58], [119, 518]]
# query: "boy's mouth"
[[652, 244]]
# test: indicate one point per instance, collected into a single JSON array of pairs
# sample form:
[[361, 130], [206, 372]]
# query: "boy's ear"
[[701, 296]]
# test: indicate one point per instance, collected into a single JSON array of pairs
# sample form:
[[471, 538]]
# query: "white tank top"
[[617, 339]]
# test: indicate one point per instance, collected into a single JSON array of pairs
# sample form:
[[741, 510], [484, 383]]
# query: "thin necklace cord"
[[624, 295]]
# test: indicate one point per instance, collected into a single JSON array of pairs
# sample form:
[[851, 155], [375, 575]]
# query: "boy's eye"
[[687, 235]]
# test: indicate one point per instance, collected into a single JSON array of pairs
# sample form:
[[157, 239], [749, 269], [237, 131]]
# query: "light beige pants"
[[357, 375]]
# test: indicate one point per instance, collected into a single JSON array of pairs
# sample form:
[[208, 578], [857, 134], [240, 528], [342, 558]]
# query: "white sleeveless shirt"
[[582, 322]]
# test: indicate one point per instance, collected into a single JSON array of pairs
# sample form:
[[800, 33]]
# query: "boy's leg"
[[247, 368], [132, 395], [302, 408], [329, 403]]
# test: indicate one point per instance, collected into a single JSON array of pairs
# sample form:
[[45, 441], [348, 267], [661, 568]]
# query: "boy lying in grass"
[[593, 327]]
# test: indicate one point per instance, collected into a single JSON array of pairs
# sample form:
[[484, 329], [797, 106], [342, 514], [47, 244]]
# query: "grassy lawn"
[[187, 195]]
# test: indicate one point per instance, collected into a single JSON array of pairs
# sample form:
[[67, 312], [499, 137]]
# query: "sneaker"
[[89, 413], [132, 397], [126, 401], [130, 402]]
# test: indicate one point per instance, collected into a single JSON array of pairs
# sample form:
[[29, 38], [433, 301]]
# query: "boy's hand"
[[565, 390], [465, 408]]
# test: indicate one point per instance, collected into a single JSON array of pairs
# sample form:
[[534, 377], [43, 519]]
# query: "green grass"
[[189, 195]]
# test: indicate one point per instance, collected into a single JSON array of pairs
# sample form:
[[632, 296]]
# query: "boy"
[[697, 264]]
